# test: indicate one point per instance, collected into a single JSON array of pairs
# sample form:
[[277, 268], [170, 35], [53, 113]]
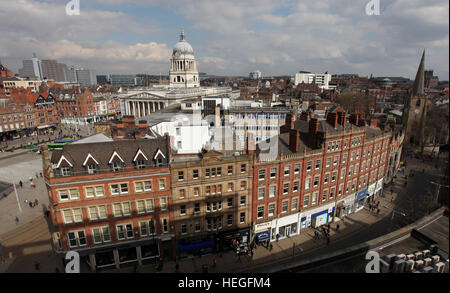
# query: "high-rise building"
[[322, 80], [31, 68], [255, 74], [86, 77], [70, 74], [53, 70]]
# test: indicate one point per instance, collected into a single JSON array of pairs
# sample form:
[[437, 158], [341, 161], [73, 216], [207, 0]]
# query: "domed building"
[[184, 84], [183, 69]]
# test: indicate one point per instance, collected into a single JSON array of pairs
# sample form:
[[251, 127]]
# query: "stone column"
[[139, 109]]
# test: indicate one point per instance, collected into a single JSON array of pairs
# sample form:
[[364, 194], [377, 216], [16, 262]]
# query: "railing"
[[104, 171]]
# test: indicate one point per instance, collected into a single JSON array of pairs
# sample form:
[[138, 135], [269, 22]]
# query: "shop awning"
[[362, 194], [196, 246], [43, 126], [263, 236]]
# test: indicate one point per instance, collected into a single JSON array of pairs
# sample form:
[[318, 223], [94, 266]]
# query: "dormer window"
[[66, 171], [140, 164], [140, 160], [92, 169], [117, 166], [159, 162]]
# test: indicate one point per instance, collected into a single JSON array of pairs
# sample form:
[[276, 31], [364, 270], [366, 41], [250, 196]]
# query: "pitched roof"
[[76, 154]]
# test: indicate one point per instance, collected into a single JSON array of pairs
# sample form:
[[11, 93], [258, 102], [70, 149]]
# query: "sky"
[[231, 37]]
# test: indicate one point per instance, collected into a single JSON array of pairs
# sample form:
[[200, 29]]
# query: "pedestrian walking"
[[17, 220], [20, 183], [278, 236], [36, 265], [36, 202], [370, 206], [270, 247], [37, 177], [378, 211], [337, 227], [30, 204], [40, 174]]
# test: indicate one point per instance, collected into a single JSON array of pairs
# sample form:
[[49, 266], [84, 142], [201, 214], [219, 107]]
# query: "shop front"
[[346, 206], [262, 232], [371, 192], [318, 216], [196, 246], [360, 199], [378, 188], [287, 226], [227, 240]]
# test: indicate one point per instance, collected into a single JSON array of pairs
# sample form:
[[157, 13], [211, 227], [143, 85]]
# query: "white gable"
[[140, 152], [87, 158], [60, 161], [159, 153], [113, 155]]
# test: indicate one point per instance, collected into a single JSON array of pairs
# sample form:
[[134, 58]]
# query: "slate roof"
[[102, 152]]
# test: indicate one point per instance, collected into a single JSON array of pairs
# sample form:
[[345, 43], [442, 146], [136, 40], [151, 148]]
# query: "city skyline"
[[275, 37]]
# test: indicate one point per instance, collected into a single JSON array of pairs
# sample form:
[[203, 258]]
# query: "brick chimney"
[[46, 164], [341, 118], [354, 119], [294, 140], [373, 123], [313, 130], [290, 120], [332, 119], [142, 128]]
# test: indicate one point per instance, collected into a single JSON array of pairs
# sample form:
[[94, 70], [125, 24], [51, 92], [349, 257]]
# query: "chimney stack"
[[313, 130], [294, 140], [46, 164], [341, 118], [373, 123], [332, 119], [354, 119]]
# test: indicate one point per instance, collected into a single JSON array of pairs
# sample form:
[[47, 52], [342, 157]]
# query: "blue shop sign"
[[263, 236], [187, 246], [317, 214], [362, 194]]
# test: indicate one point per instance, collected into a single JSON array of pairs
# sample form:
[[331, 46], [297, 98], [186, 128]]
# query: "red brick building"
[[111, 201], [320, 170]]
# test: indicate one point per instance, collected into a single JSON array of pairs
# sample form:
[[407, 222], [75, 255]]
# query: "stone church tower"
[[414, 113], [183, 68]]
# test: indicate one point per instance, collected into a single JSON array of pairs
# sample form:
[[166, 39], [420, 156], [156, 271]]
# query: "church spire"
[[418, 86]]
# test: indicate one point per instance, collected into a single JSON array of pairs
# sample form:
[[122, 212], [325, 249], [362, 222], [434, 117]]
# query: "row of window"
[[272, 205], [123, 232], [114, 188], [212, 224], [122, 209], [211, 172], [297, 167], [212, 206]]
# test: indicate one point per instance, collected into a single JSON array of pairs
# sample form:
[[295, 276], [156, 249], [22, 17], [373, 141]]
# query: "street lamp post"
[[439, 188]]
